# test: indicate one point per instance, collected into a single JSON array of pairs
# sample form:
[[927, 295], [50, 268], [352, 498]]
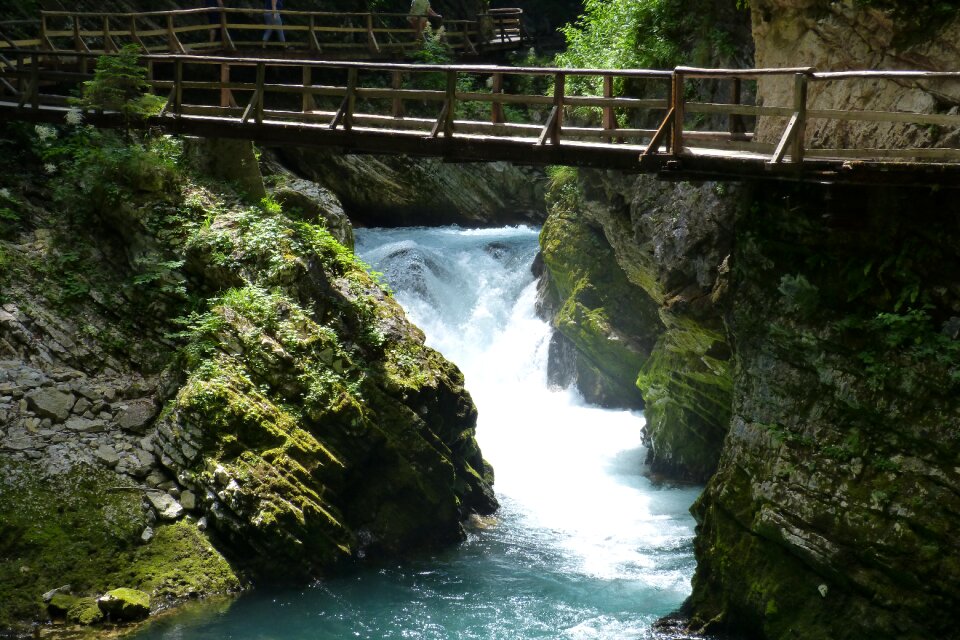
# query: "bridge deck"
[[469, 113]]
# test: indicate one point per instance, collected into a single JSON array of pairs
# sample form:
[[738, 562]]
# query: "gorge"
[[203, 388]]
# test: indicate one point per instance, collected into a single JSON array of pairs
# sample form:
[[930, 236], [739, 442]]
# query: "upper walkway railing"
[[350, 35], [479, 112]]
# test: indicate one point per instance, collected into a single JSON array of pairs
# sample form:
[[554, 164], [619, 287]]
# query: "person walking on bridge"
[[419, 10], [271, 17], [214, 18]]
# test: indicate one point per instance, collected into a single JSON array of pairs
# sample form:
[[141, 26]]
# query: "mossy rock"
[[85, 611], [124, 605], [612, 323]]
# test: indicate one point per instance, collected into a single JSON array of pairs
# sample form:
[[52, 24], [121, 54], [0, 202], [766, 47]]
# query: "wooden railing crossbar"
[[374, 97], [184, 29]]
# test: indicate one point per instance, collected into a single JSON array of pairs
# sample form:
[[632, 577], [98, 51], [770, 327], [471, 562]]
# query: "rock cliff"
[[198, 388], [806, 348], [851, 35]]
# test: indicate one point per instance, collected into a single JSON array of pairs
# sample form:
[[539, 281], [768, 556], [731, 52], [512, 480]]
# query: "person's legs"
[[267, 20], [279, 24]]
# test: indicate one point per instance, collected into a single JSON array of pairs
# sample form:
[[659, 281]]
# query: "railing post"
[[351, 101], [314, 44], [35, 82], [609, 117], [677, 100], [19, 74], [309, 104], [178, 88], [44, 40], [172, 40], [800, 108], [78, 44], [451, 103], [396, 83], [736, 126], [496, 107], [559, 88], [371, 38], [108, 44], [261, 89], [135, 36]]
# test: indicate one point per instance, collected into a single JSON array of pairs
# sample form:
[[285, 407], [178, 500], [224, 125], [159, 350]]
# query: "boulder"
[[51, 403], [107, 455], [316, 204], [123, 604], [166, 506], [137, 415], [85, 611]]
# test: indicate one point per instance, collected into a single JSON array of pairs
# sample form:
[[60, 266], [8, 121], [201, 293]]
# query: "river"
[[584, 546]]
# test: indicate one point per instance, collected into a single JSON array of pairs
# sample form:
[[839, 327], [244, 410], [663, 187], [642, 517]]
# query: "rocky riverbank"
[[199, 388]]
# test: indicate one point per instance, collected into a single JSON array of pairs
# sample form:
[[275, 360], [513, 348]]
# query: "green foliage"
[[621, 34], [10, 217], [798, 294], [563, 188], [95, 171], [434, 49], [120, 84]]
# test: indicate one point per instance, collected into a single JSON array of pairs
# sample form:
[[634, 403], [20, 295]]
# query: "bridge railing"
[[496, 103], [229, 29]]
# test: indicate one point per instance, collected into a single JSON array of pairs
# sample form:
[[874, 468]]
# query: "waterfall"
[[584, 547]]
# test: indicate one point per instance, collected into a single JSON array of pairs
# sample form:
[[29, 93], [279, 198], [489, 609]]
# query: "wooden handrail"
[[366, 104]]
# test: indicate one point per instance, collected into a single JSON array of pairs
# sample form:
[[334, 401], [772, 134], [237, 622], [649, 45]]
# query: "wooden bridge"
[[331, 35], [543, 116]]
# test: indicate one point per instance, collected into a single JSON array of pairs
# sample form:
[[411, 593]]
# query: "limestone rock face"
[[640, 269], [329, 432], [834, 509], [834, 36], [400, 191]]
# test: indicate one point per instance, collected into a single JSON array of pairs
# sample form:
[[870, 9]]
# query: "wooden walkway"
[[468, 113], [313, 34]]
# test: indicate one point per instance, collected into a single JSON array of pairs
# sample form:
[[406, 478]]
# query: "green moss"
[[85, 612], [687, 385], [73, 529], [612, 323], [179, 563], [125, 604], [80, 530]]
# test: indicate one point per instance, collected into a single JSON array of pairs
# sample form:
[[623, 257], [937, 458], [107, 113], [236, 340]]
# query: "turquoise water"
[[584, 547]]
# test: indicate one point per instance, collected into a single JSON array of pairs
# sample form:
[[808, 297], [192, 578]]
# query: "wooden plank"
[[307, 103], [743, 74], [738, 109], [396, 84], [885, 75], [344, 115], [677, 102], [497, 115], [937, 153], [800, 104], [551, 123], [785, 140], [938, 119], [508, 98], [661, 135]]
